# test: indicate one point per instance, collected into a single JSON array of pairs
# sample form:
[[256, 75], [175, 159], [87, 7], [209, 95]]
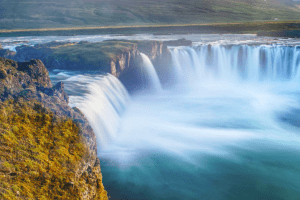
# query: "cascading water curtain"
[[249, 62], [103, 106]]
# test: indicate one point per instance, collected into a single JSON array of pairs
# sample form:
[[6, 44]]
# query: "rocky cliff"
[[160, 57], [120, 58], [108, 56], [132, 75], [111, 56], [47, 149]]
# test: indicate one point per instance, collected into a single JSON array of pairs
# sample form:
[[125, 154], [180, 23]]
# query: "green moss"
[[93, 53], [141, 12], [15, 129]]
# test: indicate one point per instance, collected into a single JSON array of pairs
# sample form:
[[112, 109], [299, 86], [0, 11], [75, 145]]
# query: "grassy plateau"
[[35, 14]]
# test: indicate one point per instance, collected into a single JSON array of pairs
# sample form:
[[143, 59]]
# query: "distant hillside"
[[24, 14]]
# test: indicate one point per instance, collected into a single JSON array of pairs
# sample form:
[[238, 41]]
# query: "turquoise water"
[[213, 140]]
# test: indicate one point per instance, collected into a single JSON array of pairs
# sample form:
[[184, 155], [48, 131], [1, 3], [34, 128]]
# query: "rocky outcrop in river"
[[120, 58], [111, 56]]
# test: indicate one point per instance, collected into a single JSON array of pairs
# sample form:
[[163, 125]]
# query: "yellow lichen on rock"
[[39, 155], [47, 149]]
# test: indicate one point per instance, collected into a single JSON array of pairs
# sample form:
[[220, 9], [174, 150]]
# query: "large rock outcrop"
[[111, 56], [108, 56], [47, 149], [132, 76], [120, 58]]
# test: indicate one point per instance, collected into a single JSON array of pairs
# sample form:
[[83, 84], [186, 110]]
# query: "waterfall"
[[240, 122], [103, 105], [106, 98], [150, 74], [237, 62], [220, 129]]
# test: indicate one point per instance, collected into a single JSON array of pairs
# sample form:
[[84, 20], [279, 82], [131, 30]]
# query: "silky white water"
[[102, 98], [153, 82], [229, 128], [238, 62], [215, 140]]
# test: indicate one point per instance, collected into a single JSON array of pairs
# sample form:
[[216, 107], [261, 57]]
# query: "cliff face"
[[161, 58], [124, 61], [158, 53], [47, 149], [132, 75], [111, 56], [108, 56]]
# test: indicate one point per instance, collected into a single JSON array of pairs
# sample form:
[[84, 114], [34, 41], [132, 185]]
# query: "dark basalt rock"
[[179, 42], [3, 74], [23, 75], [7, 53], [284, 33]]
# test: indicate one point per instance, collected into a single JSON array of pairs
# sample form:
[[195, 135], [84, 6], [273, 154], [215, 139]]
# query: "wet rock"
[[179, 42], [3, 74]]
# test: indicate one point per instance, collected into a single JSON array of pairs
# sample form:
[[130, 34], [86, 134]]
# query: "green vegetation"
[[26, 14], [217, 28], [38, 153], [82, 55], [93, 54]]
